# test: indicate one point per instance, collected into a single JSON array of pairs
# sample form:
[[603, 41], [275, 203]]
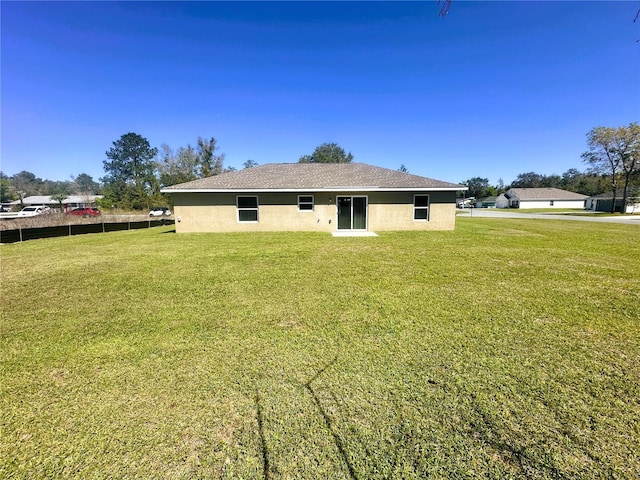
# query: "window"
[[551, 203], [305, 203], [421, 207], [247, 209]]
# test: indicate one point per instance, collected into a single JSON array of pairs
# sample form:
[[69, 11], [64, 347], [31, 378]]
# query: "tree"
[[130, 171], [403, 169], [188, 164], [590, 184], [478, 187], [179, 167], [59, 197], [250, 164], [614, 152], [210, 163], [630, 146], [554, 181], [571, 178], [26, 183], [6, 194], [84, 184], [529, 180], [51, 187], [327, 153]]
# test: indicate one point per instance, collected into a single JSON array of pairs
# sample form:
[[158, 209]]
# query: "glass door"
[[344, 213], [359, 207], [352, 213]]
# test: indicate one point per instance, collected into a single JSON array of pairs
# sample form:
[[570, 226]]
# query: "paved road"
[[495, 213]]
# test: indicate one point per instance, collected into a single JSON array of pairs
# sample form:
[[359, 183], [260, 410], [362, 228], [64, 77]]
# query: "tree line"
[[573, 180], [135, 171]]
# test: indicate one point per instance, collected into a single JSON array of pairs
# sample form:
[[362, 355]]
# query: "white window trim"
[[313, 203], [427, 208], [242, 209]]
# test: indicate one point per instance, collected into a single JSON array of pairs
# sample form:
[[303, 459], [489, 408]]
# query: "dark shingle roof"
[[313, 176], [619, 194], [544, 194]]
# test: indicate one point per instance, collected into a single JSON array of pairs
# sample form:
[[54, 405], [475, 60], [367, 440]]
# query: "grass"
[[567, 211], [564, 211], [507, 348]]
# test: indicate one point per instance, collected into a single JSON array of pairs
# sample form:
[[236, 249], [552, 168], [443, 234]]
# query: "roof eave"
[[323, 189]]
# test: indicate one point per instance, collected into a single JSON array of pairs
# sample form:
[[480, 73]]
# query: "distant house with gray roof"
[[324, 197], [604, 201], [68, 203], [487, 202], [540, 198]]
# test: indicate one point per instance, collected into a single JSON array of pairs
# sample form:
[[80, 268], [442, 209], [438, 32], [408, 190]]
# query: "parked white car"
[[159, 212], [33, 211], [26, 212]]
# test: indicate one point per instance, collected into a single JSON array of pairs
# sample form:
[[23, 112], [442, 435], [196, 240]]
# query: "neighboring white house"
[[70, 202], [540, 198]]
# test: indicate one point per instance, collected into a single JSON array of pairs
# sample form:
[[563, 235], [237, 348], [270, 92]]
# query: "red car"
[[85, 212]]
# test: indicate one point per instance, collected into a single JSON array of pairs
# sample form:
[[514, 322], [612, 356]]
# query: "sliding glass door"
[[352, 213]]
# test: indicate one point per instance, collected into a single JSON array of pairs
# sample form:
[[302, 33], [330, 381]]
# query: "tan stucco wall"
[[204, 212], [394, 211]]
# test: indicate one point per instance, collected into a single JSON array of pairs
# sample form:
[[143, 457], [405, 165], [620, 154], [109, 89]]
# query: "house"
[[70, 202], [540, 198], [602, 202], [487, 202], [320, 197]]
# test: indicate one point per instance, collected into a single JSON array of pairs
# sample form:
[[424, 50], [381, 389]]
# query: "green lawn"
[[507, 348], [562, 211], [571, 211]]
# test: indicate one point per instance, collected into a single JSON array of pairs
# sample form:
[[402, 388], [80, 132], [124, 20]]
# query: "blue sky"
[[494, 89]]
